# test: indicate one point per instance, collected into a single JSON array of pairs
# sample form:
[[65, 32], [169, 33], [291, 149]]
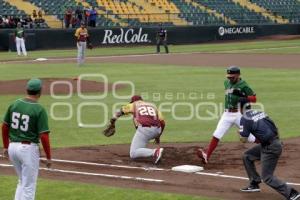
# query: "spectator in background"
[[34, 14], [1, 22], [86, 15], [75, 22], [29, 21], [78, 14], [68, 17], [40, 14], [11, 22], [92, 17]]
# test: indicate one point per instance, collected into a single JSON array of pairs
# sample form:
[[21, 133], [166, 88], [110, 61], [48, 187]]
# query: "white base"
[[41, 59], [188, 168]]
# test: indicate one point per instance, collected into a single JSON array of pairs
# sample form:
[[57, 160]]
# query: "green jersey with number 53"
[[232, 100], [27, 120]]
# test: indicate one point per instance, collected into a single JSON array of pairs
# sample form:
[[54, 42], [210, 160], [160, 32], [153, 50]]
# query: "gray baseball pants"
[[140, 140], [268, 155]]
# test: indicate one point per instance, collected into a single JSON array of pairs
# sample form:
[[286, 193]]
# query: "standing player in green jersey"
[[236, 90], [20, 40], [25, 123]]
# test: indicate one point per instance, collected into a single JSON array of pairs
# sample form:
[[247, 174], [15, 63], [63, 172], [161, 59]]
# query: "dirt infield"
[[226, 160], [58, 85]]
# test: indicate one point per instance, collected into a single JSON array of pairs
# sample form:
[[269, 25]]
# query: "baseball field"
[[187, 86]]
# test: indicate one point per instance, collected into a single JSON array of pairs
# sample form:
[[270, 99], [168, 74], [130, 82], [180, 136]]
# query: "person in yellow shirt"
[[82, 37]]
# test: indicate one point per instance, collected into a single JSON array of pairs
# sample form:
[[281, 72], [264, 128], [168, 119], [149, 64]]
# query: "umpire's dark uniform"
[[161, 38], [268, 152]]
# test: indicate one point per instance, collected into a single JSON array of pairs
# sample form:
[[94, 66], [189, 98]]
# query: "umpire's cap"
[[232, 71], [34, 84], [135, 98]]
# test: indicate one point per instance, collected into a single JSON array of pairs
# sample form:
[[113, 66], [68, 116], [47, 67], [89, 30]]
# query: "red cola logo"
[[128, 36]]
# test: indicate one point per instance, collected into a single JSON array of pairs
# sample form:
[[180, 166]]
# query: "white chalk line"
[[107, 165], [95, 174], [96, 57], [148, 54], [234, 177], [152, 54], [257, 49], [156, 169]]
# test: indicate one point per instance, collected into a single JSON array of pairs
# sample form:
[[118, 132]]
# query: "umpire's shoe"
[[251, 188], [294, 195]]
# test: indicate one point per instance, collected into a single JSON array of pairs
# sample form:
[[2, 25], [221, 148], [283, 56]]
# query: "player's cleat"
[[202, 155], [294, 195], [158, 154], [251, 188]]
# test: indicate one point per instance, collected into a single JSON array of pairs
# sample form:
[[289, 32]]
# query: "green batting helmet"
[[233, 70]]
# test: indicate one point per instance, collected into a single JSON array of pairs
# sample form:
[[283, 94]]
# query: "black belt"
[[233, 110], [271, 140], [25, 142], [149, 126]]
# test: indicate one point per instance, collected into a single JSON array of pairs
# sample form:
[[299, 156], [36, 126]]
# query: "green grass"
[[276, 89], [280, 47], [277, 95], [62, 190]]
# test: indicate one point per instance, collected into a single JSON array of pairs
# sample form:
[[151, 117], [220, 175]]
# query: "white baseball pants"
[[25, 158], [140, 140], [20, 45], [81, 47], [227, 120]]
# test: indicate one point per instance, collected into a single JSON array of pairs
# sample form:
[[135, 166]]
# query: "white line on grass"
[[154, 169], [96, 174]]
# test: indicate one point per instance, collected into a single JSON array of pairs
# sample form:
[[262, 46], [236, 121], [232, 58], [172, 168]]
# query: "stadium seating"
[[143, 12], [167, 12], [196, 14], [289, 9], [8, 9], [235, 11]]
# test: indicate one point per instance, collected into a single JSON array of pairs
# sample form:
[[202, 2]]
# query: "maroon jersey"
[[144, 113]]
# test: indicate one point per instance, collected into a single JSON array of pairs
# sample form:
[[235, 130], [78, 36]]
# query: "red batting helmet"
[[135, 98]]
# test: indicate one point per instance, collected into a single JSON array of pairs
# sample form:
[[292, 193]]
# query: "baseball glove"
[[90, 45], [110, 129]]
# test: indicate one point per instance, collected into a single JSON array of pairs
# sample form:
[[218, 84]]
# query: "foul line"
[[107, 165], [257, 49], [153, 169], [96, 174], [234, 177]]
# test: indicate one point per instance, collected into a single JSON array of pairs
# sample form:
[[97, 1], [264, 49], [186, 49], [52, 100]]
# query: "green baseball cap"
[[34, 84]]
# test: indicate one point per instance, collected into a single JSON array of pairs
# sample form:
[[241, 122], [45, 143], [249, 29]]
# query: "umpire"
[[161, 39], [268, 152]]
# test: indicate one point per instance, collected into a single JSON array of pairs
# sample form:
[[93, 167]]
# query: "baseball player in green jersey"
[[25, 123], [20, 40], [236, 90]]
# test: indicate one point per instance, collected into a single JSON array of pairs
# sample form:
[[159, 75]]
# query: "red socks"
[[212, 145]]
